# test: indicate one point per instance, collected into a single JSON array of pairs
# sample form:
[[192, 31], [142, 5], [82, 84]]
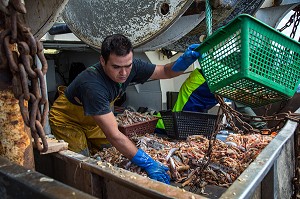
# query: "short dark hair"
[[117, 44]]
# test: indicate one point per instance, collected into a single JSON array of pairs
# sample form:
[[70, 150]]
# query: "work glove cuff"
[[154, 169], [188, 58], [142, 159]]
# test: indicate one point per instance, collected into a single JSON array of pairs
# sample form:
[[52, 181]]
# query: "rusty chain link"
[[199, 182], [295, 18], [243, 119], [20, 51]]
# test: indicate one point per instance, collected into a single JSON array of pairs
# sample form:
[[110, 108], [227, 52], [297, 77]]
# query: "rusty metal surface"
[[91, 21], [64, 164], [42, 14], [15, 139]]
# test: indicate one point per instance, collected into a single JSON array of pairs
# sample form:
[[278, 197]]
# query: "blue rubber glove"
[[188, 57], [155, 170]]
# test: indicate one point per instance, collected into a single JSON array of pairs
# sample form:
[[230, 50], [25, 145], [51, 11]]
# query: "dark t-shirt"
[[94, 90]]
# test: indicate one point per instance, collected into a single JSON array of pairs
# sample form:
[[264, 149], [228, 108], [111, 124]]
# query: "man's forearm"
[[123, 144], [169, 72], [164, 72], [109, 126]]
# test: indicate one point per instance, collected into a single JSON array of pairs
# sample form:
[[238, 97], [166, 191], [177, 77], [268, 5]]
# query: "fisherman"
[[82, 114], [194, 95]]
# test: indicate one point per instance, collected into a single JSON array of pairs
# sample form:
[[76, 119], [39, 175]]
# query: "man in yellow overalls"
[[81, 115]]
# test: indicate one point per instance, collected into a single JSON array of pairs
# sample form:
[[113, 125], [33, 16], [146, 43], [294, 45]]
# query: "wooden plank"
[[54, 145]]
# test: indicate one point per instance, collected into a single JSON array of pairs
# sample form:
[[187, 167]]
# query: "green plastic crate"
[[250, 62]]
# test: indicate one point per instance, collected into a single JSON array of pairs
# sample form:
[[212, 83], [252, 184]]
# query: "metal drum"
[[41, 15], [141, 21]]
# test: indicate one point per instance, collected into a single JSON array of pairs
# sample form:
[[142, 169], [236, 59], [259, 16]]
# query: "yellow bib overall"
[[69, 123]]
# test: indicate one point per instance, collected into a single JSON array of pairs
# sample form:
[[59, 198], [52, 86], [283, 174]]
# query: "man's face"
[[117, 68]]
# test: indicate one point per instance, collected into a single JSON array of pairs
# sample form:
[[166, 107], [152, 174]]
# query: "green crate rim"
[[206, 41]]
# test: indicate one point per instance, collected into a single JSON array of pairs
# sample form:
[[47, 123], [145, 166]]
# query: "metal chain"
[[19, 52], [199, 182], [240, 118], [295, 20], [296, 24]]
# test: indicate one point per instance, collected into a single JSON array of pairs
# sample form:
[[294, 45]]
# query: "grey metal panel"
[[145, 95], [284, 171], [92, 20]]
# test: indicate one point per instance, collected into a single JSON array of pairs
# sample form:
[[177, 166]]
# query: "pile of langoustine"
[[228, 159]]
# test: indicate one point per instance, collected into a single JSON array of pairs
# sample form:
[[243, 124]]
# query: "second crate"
[[180, 125]]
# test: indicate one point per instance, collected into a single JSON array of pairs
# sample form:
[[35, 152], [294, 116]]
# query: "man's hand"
[[155, 170], [185, 60]]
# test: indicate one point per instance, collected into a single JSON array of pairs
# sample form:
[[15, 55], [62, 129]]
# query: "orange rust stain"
[[14, 138]]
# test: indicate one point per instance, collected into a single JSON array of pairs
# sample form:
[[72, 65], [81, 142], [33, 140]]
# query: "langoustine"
[[184, 157]]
